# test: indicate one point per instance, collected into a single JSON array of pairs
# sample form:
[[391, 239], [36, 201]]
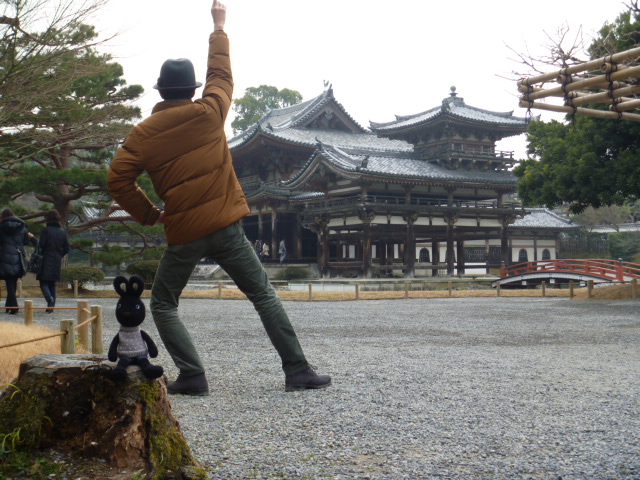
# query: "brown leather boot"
[[189, 385], [305, 380]]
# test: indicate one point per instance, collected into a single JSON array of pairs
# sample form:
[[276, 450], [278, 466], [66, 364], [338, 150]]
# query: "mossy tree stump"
[[70, 402]]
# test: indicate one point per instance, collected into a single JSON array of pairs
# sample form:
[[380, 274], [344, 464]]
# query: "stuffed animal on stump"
[[132, 345]]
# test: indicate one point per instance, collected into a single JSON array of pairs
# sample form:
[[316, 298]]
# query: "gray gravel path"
[[478, 388]]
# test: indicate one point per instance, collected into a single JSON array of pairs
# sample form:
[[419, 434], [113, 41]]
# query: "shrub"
[[145, 268], [83, 275]]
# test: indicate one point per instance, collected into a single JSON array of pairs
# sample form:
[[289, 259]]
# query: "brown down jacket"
[[183, 147]]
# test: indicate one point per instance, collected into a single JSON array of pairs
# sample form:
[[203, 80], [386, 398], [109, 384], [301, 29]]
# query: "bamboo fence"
[[607, 80]]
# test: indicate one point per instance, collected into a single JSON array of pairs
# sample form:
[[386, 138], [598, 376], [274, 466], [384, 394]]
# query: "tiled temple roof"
[[543, 218], [452, 106], [406, 165], [273, 191], [288, 125]]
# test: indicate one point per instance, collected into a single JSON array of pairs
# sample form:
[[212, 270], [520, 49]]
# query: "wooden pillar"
[[460, 251], [320, 227], [487, 253], [275, 241], [451, 219], [261, 228], [297, 238], [366, 216], [435, 257], [325, 250], [504, 241], [366, 250], [410, 246]]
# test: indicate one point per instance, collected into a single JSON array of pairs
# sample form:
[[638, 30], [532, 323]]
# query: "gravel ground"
[[477, 388]]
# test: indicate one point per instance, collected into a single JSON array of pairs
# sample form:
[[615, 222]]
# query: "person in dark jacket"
[[14, 235], [54, 245]]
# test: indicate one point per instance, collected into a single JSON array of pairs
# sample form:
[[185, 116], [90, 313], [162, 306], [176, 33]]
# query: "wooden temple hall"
[[423, 195]]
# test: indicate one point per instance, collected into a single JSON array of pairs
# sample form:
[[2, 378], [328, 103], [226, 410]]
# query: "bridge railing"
[[603, 268]]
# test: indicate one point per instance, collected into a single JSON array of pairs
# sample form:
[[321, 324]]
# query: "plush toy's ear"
[[120, 283], [136, 285]]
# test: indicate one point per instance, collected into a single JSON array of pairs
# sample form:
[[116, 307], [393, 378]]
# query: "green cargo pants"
[[232, 251]]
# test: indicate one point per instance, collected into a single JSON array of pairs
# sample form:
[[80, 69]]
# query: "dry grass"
[[12, 357], [608, 292]]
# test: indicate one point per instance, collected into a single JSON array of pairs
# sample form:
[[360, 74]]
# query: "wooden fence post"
[[590, 289], [406, 289], [219, 290], [544, 289], [68, 341], [75, 289], [571, 289], [83, 315], [357, 291], [96, 329], [498, 290], [450, 287], [310, 292], [28, 312]]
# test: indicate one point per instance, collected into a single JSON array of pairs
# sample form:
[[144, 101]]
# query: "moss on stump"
[[71, 402]]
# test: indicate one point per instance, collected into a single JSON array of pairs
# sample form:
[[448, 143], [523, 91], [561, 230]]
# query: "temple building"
[[423, 195]]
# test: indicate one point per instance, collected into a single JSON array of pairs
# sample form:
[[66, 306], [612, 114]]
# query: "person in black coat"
[[54, 245], [14, 235]]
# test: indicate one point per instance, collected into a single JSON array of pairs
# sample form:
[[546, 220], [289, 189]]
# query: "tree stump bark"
[[70, 402]]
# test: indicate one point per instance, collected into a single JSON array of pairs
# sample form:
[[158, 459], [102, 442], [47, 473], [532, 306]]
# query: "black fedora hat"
[[177, 73]]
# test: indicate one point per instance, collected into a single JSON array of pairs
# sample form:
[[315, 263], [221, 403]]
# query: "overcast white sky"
[[382, 57]]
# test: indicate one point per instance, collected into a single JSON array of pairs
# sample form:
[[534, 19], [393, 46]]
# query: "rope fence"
[[86, 317]]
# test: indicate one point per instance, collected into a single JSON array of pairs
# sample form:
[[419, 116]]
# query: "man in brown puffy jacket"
[[183, 147]]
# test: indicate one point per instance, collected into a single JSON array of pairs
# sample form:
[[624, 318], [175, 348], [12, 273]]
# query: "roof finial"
[[453, 91]]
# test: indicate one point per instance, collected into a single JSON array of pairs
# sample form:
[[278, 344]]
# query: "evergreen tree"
[[64, 108], [257, 101]]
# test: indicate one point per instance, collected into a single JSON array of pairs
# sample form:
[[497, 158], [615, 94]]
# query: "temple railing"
[[390, 201]]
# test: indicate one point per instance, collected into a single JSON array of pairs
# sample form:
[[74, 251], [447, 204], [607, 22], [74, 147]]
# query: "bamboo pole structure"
[[582, 111], [606, 97], [624, 106], [580, 84], [620, 89], [96, 329], [591, 65], [83, 330], [67, 341]]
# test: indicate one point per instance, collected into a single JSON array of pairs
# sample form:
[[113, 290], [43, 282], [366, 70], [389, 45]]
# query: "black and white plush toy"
[[132, 346]]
